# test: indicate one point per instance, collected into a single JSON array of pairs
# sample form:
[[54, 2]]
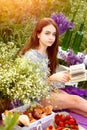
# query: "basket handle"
[[39, 126]]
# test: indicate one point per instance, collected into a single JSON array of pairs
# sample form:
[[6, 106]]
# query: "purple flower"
[[62, 22], [71, 58]]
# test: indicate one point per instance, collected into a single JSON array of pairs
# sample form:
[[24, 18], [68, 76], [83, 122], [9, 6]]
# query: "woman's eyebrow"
[[50, 31]]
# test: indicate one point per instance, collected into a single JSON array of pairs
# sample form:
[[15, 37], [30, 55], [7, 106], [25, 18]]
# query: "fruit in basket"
[[65, 121]]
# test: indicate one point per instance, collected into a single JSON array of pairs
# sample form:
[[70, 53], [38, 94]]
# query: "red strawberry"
[[61, 124], [67, 117], [50, 127], [76, 127], [66, 122], [57, 116], [56, 119], [72, 121], [61, 116]]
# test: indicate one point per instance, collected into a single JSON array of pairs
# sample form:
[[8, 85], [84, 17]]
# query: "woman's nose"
[[52, 36]]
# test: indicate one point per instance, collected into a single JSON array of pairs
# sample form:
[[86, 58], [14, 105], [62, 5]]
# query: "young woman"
[[43, 46]]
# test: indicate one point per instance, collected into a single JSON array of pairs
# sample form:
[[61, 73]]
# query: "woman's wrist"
[[52, 78]]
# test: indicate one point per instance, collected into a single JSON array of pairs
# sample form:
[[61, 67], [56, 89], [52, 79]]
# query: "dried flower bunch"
[[21, 79]]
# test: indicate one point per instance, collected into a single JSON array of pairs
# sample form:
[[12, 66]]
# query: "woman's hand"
[[62, 76]]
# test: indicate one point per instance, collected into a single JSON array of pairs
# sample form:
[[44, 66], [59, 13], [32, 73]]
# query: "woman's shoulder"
[[30, 52], [32, 55]]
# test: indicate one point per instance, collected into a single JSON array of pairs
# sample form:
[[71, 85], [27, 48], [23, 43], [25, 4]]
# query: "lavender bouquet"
[[71, 58]]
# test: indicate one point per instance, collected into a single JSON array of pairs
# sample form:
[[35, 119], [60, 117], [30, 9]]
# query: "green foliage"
[[82, 85], [77, 11], [9, 121], [17, 33]]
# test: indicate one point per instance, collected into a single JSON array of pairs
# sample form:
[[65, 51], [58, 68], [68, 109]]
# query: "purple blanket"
[[76, 91], [80, 119]]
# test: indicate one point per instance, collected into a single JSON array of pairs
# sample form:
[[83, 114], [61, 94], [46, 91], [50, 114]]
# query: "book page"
[[78, 73]]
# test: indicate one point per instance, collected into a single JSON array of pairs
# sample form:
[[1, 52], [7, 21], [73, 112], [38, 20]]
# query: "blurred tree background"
[[18, 18]]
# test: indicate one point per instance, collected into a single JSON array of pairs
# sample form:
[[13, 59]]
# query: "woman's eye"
[[54, 34], [47, 33]]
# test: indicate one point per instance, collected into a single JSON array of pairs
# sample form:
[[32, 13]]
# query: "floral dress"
[[43, 61], [36, 57]]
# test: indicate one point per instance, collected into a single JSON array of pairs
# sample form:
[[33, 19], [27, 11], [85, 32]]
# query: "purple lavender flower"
[[71, 58], [62, 22]]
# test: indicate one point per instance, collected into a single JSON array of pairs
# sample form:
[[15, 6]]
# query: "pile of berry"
[[62, 121]]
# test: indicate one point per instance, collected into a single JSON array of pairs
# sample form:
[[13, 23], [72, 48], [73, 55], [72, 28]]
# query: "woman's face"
[[47, 36]]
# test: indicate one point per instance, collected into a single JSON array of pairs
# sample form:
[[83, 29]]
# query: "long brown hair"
[[33, 43]]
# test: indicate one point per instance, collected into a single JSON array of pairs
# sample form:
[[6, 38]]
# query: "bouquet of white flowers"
[[19, 78]]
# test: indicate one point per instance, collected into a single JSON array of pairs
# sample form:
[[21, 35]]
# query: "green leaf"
[[10, 121]]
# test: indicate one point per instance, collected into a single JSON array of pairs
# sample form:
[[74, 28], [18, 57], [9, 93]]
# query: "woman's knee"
[[75, 99]]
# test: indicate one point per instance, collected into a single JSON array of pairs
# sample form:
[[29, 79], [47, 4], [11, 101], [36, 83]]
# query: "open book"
[[78, 73]]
